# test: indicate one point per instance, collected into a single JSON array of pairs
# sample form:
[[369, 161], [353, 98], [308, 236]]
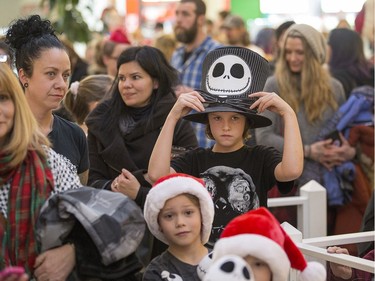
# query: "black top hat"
[[229, 75]]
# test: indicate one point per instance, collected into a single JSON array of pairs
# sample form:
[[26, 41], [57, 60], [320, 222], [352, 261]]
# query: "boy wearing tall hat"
[[229, 102]]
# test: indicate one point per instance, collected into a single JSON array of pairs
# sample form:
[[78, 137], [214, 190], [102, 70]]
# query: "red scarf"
[[31, 185]]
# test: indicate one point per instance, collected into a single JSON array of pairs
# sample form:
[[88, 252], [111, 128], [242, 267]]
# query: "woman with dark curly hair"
[[44, 68]]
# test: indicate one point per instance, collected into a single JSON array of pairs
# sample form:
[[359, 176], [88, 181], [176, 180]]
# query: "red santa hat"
[[259, 234], [171, 186]]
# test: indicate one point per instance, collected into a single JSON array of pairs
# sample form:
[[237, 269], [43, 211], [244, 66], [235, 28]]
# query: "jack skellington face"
[[228, 75], [229, 267]]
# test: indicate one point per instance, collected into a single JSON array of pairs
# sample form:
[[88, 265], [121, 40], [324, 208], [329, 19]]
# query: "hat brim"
[[255, 120]]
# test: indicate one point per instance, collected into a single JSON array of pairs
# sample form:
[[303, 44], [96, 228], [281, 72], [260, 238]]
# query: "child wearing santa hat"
[[259, 239], [179, 212]]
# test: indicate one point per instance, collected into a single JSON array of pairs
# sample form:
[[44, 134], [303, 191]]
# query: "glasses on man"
[[3, 58]]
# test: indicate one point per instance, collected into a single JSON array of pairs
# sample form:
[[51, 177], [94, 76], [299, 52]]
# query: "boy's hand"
[[270, 101], [185, 103]]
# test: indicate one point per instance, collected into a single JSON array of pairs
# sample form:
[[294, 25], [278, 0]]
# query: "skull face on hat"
[[229, 75], [229, 267]]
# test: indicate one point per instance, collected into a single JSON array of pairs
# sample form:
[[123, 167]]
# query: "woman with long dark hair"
[[123, 129]]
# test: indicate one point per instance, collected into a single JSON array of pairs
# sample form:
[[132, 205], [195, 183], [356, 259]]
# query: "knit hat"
[[229, 75], [259, 234], [171, 186], [313, 37]]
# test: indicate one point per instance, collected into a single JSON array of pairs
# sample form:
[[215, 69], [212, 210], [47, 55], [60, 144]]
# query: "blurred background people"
[[111, 49], [237, 34], [6, 54], [365, 26], [94, 55], [78, 65], [266, 40], [347, 62], [167, 44], [279, 36], [83, 96], [188, 58]]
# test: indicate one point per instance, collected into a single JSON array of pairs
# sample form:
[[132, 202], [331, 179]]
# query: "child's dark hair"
[[28, 38]]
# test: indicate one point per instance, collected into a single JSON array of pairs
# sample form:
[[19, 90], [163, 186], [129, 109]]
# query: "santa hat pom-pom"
[[313, 272]]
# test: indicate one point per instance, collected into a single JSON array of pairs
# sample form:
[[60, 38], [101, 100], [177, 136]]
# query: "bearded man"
[[189, 30]]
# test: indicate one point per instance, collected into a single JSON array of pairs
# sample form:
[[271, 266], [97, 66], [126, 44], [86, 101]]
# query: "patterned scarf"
[[31, 184]]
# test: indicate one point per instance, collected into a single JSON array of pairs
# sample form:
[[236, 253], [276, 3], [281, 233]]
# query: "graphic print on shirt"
[[167, 276], [233, 193]]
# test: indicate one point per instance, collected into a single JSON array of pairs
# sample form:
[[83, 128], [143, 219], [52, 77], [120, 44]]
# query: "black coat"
[[109, 151]]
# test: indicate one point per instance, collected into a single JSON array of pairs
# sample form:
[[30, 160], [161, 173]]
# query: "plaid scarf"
[[31, 184]]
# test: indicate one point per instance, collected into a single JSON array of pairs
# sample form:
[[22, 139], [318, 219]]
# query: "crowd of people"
[[192, 133]]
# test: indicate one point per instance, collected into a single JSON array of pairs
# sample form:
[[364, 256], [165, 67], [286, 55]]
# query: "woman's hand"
[[341, 271], [55, 264], [126, 184], [329, 154], [185, 103]]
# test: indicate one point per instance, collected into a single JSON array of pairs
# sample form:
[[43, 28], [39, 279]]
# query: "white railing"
[[315, 248], [311, 209], [310, 236]]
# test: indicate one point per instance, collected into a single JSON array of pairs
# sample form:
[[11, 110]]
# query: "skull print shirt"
[[167, 267], [238, 181]]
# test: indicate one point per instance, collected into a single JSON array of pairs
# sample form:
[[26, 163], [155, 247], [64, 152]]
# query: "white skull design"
[[170, 276], [229, 267], [229, 75]]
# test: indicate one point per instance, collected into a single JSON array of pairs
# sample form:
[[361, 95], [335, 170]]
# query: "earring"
[[26, 85]]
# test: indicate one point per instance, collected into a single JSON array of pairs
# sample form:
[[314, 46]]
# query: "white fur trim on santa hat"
[[258, 246], [314, 271], [173, 186]]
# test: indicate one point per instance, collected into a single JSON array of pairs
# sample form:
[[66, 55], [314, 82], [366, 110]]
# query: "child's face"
[[180, 221], [261, 270], [227, 128]]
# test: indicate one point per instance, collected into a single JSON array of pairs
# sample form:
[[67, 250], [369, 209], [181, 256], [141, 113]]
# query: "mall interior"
[[143, 14]]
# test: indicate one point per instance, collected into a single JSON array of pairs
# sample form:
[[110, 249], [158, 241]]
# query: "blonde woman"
[[305, 84], [30, 173]]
